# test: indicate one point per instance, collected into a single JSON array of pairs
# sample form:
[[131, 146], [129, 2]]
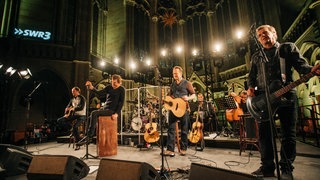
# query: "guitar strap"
[[282, 66]]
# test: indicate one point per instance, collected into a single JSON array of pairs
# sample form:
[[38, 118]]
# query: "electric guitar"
[[196, 133], [178, 106], [257, 106], [151, 135]]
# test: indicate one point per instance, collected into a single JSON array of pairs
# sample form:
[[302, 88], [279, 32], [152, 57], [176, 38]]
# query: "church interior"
[[49, 47]]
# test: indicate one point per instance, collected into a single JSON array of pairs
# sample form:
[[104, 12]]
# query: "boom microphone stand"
[[264, 60], [88, 124], [28, 99]]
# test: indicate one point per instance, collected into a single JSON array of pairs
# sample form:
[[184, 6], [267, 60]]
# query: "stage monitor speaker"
[[14, 160], [57, 167], [125, 170], [200, 171]]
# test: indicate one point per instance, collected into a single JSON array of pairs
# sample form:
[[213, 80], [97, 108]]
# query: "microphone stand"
[[158, 79], [264, 60], [28, 99], [88, 124]]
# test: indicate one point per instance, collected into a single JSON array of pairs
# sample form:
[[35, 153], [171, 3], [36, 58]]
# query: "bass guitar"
[[196, 133], [178, 106], [151, 135], [257, 104]]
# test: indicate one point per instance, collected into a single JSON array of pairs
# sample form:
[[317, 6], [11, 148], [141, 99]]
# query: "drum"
[[144, 119], [136, 123]]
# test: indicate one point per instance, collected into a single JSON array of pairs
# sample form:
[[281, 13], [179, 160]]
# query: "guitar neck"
[[296, 83]]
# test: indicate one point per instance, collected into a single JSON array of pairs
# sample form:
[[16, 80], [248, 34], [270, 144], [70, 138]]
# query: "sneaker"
[[261, 172], [168, 153], [286, 175], [183, 152]]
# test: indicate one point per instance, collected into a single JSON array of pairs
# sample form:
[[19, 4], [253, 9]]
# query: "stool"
[[107, 137], [245, 137], [80, 130]]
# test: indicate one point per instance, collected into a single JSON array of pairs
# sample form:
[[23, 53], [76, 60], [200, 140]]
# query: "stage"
[[222, 153]]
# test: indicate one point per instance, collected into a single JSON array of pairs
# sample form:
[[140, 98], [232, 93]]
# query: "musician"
[[180, 88], [243, 99], [275, 53], [115, 95], [75, 110]]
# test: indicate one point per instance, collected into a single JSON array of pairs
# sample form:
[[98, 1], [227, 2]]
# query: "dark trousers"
[[288, 118], [184, 122], [93, 120], [78, 119]]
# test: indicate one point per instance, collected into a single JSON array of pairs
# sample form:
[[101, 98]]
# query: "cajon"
[[107, 138]]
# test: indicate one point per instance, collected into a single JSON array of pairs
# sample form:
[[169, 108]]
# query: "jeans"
[[94, 117], [184, 122]]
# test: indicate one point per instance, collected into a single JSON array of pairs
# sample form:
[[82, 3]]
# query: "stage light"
[[163, 52], [116, 60], [25, 73], [1, 65], [102, 63], [195, 52], [10, 71]]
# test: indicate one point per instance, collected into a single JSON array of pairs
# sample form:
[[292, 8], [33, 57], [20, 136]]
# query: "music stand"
[[225, 103]]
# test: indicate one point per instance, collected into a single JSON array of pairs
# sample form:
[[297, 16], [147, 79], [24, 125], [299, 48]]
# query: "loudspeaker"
[[57, 167], [123, 170], [13, 160], [200, 171]]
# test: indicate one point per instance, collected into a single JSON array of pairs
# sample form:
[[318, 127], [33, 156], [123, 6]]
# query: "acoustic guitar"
[[69, 112], [196, 133], [233, 114], [178, 106], [257, 106], [151, 135]]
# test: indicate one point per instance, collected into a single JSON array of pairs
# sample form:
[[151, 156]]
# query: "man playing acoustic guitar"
[[180, 90], [75, 110]]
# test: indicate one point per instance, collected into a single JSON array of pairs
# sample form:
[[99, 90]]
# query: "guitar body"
[[151, 135], [196, 133], [257, 107], [70, 112], [178, 106]]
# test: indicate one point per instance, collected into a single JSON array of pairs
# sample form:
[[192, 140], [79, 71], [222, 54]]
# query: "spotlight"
[[1, 65], [10, 71], [25, 73]]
